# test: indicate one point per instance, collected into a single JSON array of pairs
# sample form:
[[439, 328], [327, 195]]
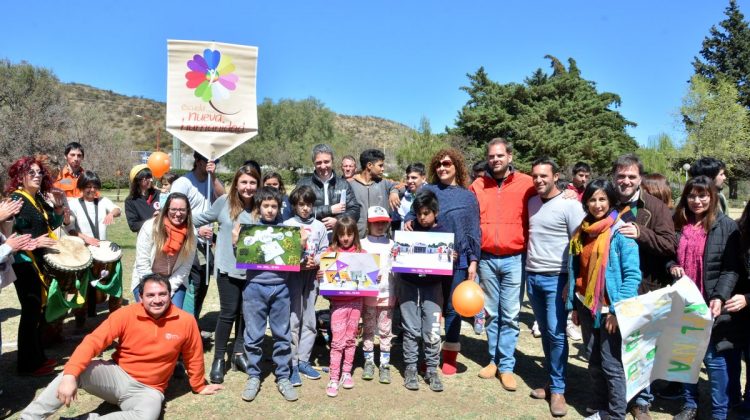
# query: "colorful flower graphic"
[[211, 75]]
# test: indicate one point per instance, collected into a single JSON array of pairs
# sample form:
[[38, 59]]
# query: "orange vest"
[[68, 182]]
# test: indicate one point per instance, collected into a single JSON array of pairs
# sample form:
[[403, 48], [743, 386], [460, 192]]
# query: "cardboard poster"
[[211, 97], [423, 253], [665, 334], [274, 248], [349, 274]]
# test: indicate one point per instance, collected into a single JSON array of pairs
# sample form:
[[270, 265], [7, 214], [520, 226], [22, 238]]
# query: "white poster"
[[665, 334], [211, 98]]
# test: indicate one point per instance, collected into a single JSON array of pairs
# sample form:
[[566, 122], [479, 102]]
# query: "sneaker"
[[287, 389], [640, 412], [384, 374], [535, 330], [433, 379], [332, 389], [294, 378], [573, 331], [411, 381], [478, 324], [251, 389], [347, 382], [368, 373], [687, 414], [308, 371]]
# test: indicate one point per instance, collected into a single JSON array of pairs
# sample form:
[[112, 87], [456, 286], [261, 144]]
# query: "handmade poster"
[[274, 248], [665, 334], [349, 274], [211, 97], [423, 253]]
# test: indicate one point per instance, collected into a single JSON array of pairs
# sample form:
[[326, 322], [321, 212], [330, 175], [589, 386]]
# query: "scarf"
[[175, 238], [597, 265], [690, 253]]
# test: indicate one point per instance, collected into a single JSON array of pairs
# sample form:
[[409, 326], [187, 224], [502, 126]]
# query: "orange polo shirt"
[[68, 182], [148, 348]]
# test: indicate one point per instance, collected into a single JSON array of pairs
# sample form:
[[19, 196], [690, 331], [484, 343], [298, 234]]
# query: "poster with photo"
[[349, 274], [274, 248], [423, 253]]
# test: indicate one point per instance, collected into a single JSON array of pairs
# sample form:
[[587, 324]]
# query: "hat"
[[377, 214], [136, 169]]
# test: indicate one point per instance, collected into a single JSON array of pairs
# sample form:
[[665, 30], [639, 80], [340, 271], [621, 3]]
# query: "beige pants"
[[108, 381]]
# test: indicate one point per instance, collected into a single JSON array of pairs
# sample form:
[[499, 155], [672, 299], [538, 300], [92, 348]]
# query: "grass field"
[[465, 395]]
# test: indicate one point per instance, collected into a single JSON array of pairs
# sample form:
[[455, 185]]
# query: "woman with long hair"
[[166, 245], [143, 200], [658, 186], [708, 246], [30, 182], [603, 270], [233, 208], [459, 214]]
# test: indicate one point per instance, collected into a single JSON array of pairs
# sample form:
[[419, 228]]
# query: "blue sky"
[[401, 60]]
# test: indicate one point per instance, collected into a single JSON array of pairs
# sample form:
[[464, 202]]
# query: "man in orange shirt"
[[152, 335], [67, 179]]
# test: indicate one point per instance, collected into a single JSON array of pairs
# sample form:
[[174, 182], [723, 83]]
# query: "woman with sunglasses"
[[459, 213], [30, 183], [166, 245], [143, 200]]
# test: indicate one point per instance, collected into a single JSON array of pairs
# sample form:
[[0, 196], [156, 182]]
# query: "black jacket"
[[336, 187]]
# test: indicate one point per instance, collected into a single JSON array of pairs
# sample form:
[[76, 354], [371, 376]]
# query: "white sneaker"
[[573, 331], [535, 330]]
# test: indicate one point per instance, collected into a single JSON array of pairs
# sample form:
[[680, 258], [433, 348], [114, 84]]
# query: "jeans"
[[734, 370], [261, 302], [178, 298], [452, 319], [716, 366], [501, 281], [545, 293], [230, 313], [605, 366]]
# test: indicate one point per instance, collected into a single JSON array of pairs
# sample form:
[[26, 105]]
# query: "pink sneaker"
[[346, 381], [332, 389]]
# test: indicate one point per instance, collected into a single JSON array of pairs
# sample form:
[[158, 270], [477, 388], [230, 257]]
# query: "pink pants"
[[344, 323], [382, 317]]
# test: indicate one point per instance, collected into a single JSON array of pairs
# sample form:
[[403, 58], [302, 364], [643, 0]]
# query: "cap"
[[377, 214], [136, 169]]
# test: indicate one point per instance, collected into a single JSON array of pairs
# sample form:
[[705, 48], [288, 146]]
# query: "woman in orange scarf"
[[604, 269], [166, 245]]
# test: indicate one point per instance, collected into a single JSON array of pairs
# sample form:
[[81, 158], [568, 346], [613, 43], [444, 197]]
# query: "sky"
[[400, 60]]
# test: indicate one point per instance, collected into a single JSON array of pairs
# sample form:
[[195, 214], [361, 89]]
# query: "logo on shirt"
[[170, 336]]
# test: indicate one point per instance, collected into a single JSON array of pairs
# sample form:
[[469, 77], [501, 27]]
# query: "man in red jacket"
[[151, 335], [502, 194]]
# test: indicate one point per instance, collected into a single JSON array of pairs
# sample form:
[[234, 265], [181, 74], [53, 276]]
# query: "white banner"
[[665, 334], [211, 98]]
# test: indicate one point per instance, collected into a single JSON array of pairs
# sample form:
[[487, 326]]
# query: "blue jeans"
[[452, 319], [261, 302], [716, 366], [545, 293], [501, 281]]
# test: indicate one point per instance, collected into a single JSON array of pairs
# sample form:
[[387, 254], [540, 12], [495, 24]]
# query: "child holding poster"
[[303, 286], [345, 313], [378, 310]]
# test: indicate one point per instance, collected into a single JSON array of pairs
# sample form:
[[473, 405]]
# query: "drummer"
[[30, 182], [92, 216]]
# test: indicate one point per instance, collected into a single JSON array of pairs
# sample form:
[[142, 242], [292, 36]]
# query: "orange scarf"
[[175, 238]]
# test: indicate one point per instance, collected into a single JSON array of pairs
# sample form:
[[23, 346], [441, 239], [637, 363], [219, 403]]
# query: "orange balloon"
[[468, 299], [158, 162]]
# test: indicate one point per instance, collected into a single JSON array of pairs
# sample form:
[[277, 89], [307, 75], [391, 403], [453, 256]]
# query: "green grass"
[[465, 395]]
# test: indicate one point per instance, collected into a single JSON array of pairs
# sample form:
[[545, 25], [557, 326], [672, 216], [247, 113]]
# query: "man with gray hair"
[[334, 196]]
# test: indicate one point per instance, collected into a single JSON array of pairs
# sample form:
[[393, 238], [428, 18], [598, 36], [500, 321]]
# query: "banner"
[[665, 334], [211, 98]]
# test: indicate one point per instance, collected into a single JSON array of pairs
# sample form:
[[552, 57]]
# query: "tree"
[[717, 124], [726, 52], [661, 156], [560, 115], [419, 146]]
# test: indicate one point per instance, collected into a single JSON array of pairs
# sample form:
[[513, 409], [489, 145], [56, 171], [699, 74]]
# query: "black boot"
[[218, 368], [239, 362]]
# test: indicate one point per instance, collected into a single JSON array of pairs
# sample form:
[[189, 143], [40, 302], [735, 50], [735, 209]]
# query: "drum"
[[103, 267], [67, 262]]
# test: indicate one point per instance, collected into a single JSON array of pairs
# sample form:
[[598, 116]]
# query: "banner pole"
[[208, 242]]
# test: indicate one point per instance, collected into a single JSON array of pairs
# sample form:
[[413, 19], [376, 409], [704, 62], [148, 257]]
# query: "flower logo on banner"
[[212, 77]]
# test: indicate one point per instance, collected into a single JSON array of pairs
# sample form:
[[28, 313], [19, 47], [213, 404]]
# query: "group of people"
[[578, 249]]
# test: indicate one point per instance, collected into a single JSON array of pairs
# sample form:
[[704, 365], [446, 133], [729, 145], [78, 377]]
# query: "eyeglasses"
[[177, 211], [702, 197], [32, 173], [444, 163]]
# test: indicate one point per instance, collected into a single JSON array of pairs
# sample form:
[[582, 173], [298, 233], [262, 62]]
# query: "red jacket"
[[503, 214]]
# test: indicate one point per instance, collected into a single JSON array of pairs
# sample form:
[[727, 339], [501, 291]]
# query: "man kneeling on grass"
[[152, 335]]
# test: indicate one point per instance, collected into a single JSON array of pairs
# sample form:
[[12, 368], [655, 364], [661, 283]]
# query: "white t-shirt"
[[105, 206]]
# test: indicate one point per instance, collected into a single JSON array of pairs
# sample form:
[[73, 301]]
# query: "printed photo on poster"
[[349, 274], [423, 253], [275, 248]]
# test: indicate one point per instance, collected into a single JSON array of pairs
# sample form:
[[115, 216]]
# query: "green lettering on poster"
[[678, 366], [699, 308], [687, 328]]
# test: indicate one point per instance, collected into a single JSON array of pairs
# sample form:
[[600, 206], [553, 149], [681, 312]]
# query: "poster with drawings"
[[349, 274]]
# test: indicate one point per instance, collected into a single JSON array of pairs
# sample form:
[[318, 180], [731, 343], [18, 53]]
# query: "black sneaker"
[[411, 381], [687, 414], [433, 379]]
